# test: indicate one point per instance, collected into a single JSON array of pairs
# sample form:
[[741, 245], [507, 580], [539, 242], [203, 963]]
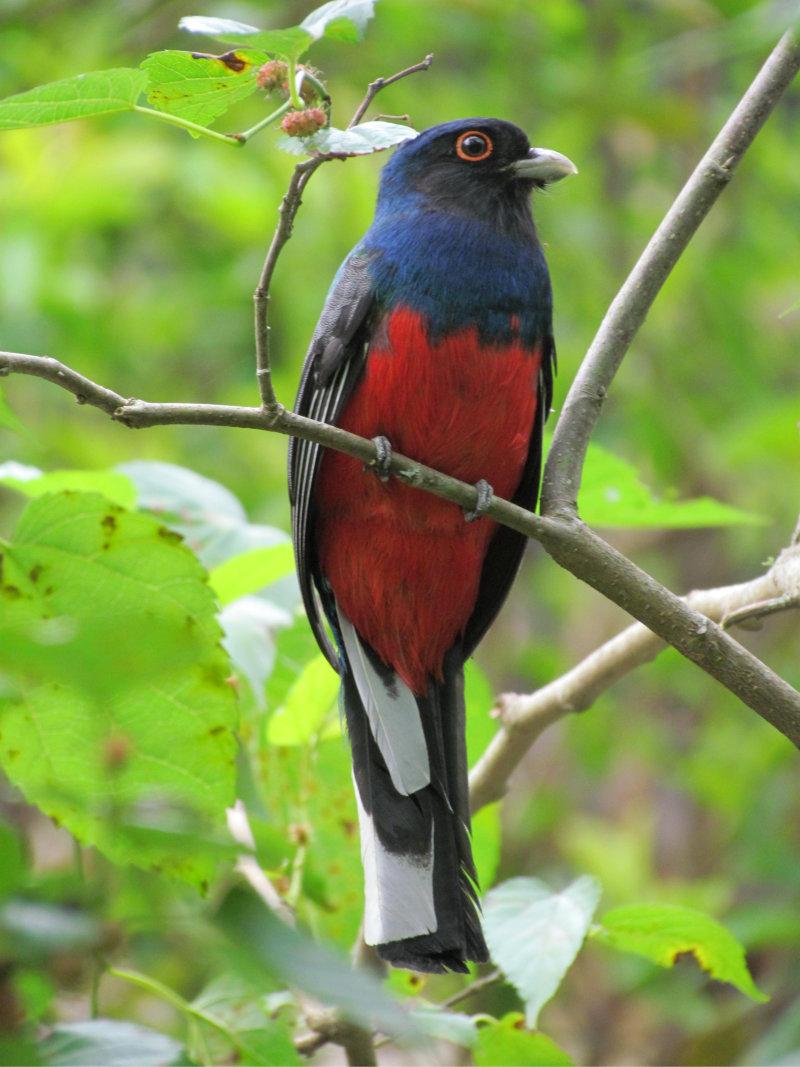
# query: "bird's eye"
[[474, 146]]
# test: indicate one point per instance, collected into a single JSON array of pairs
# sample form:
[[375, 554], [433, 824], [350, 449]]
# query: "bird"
[[435, 341]]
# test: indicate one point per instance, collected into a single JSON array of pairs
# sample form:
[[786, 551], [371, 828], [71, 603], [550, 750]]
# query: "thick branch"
[[525, 717], [581, 410], [572, 544]]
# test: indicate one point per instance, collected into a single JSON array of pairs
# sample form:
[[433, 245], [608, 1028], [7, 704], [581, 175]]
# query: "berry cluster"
[[273, 77]]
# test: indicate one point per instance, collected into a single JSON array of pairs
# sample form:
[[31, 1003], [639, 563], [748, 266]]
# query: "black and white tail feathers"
[[410, 772]]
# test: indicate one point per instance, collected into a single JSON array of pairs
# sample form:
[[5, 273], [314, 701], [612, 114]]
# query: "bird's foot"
[[383, 458], [485, 494]]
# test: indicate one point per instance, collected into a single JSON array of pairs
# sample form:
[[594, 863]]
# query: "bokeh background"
[[131, 252]]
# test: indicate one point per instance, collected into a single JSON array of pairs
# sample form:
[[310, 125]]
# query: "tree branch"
[[562, 474], [570, 542], [524, 718]]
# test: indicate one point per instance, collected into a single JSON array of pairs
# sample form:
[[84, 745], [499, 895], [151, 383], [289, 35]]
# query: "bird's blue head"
[[483, 168]]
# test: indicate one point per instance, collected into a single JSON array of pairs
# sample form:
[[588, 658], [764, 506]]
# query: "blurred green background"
[[130, 252]]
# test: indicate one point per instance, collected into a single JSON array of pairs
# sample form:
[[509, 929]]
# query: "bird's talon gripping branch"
[[383, 458], [485, 494]]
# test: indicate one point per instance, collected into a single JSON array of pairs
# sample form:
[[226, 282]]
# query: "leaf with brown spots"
[[200, 87], [118, 713]]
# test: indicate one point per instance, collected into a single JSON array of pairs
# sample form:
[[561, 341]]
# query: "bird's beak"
[[543, 165]]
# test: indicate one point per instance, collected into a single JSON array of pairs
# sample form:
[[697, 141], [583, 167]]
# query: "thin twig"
[[286, 213], [290, 205], [381, 83], [524, 718], [474, 987], [582, 406]]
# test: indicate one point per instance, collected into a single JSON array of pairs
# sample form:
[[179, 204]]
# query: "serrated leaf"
[[535, 933], [200, 88], [361, 140], [662, 932], [308, 702], [251, 571], [99, 93], [108, 1043], [506, 1043], [118, 703], [113, 485], [612, 494]]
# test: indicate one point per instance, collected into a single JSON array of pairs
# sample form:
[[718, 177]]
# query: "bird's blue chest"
[[457, 273]]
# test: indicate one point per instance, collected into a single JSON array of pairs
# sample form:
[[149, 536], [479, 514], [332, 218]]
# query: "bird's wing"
[[507, 547], [332, 367]]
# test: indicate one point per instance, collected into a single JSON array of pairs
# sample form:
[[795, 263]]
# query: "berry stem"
[[294, 95], [278, 113]]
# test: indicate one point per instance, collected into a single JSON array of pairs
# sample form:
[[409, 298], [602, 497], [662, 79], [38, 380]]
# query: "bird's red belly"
[[404, 565]]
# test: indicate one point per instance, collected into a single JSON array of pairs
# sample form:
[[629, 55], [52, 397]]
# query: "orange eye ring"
[[470, 156]]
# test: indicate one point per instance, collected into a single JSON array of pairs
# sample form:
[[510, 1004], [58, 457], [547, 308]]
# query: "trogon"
[[436, 341]]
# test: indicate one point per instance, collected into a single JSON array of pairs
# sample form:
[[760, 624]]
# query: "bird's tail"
[[410, 772]]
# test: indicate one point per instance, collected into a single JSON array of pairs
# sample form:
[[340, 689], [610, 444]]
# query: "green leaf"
[[200, 88], [99, 93], [309, 966], [506, 1043], [344, 20], [32, 482], [307, 704], [534, 933], [119, 711], [108, 1043], [361, 140], [611, 494], [662, 932], [251, 571]]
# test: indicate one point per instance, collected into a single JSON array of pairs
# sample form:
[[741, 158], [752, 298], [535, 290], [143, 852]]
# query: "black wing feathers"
[[332, 367]]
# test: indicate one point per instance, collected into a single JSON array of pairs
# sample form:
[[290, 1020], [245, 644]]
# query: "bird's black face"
[[473, 166]]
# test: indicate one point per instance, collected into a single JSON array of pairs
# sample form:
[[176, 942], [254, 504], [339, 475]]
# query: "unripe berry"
[[273, 75], [303, 123]]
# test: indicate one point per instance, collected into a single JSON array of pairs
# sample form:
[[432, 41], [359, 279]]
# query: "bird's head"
[[470, 166]]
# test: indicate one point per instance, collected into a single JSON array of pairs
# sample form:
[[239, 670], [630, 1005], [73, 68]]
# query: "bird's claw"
[[383, 458], [485, 494]]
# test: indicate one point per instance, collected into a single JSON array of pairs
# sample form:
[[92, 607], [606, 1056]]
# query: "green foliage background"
[[131, 252]]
